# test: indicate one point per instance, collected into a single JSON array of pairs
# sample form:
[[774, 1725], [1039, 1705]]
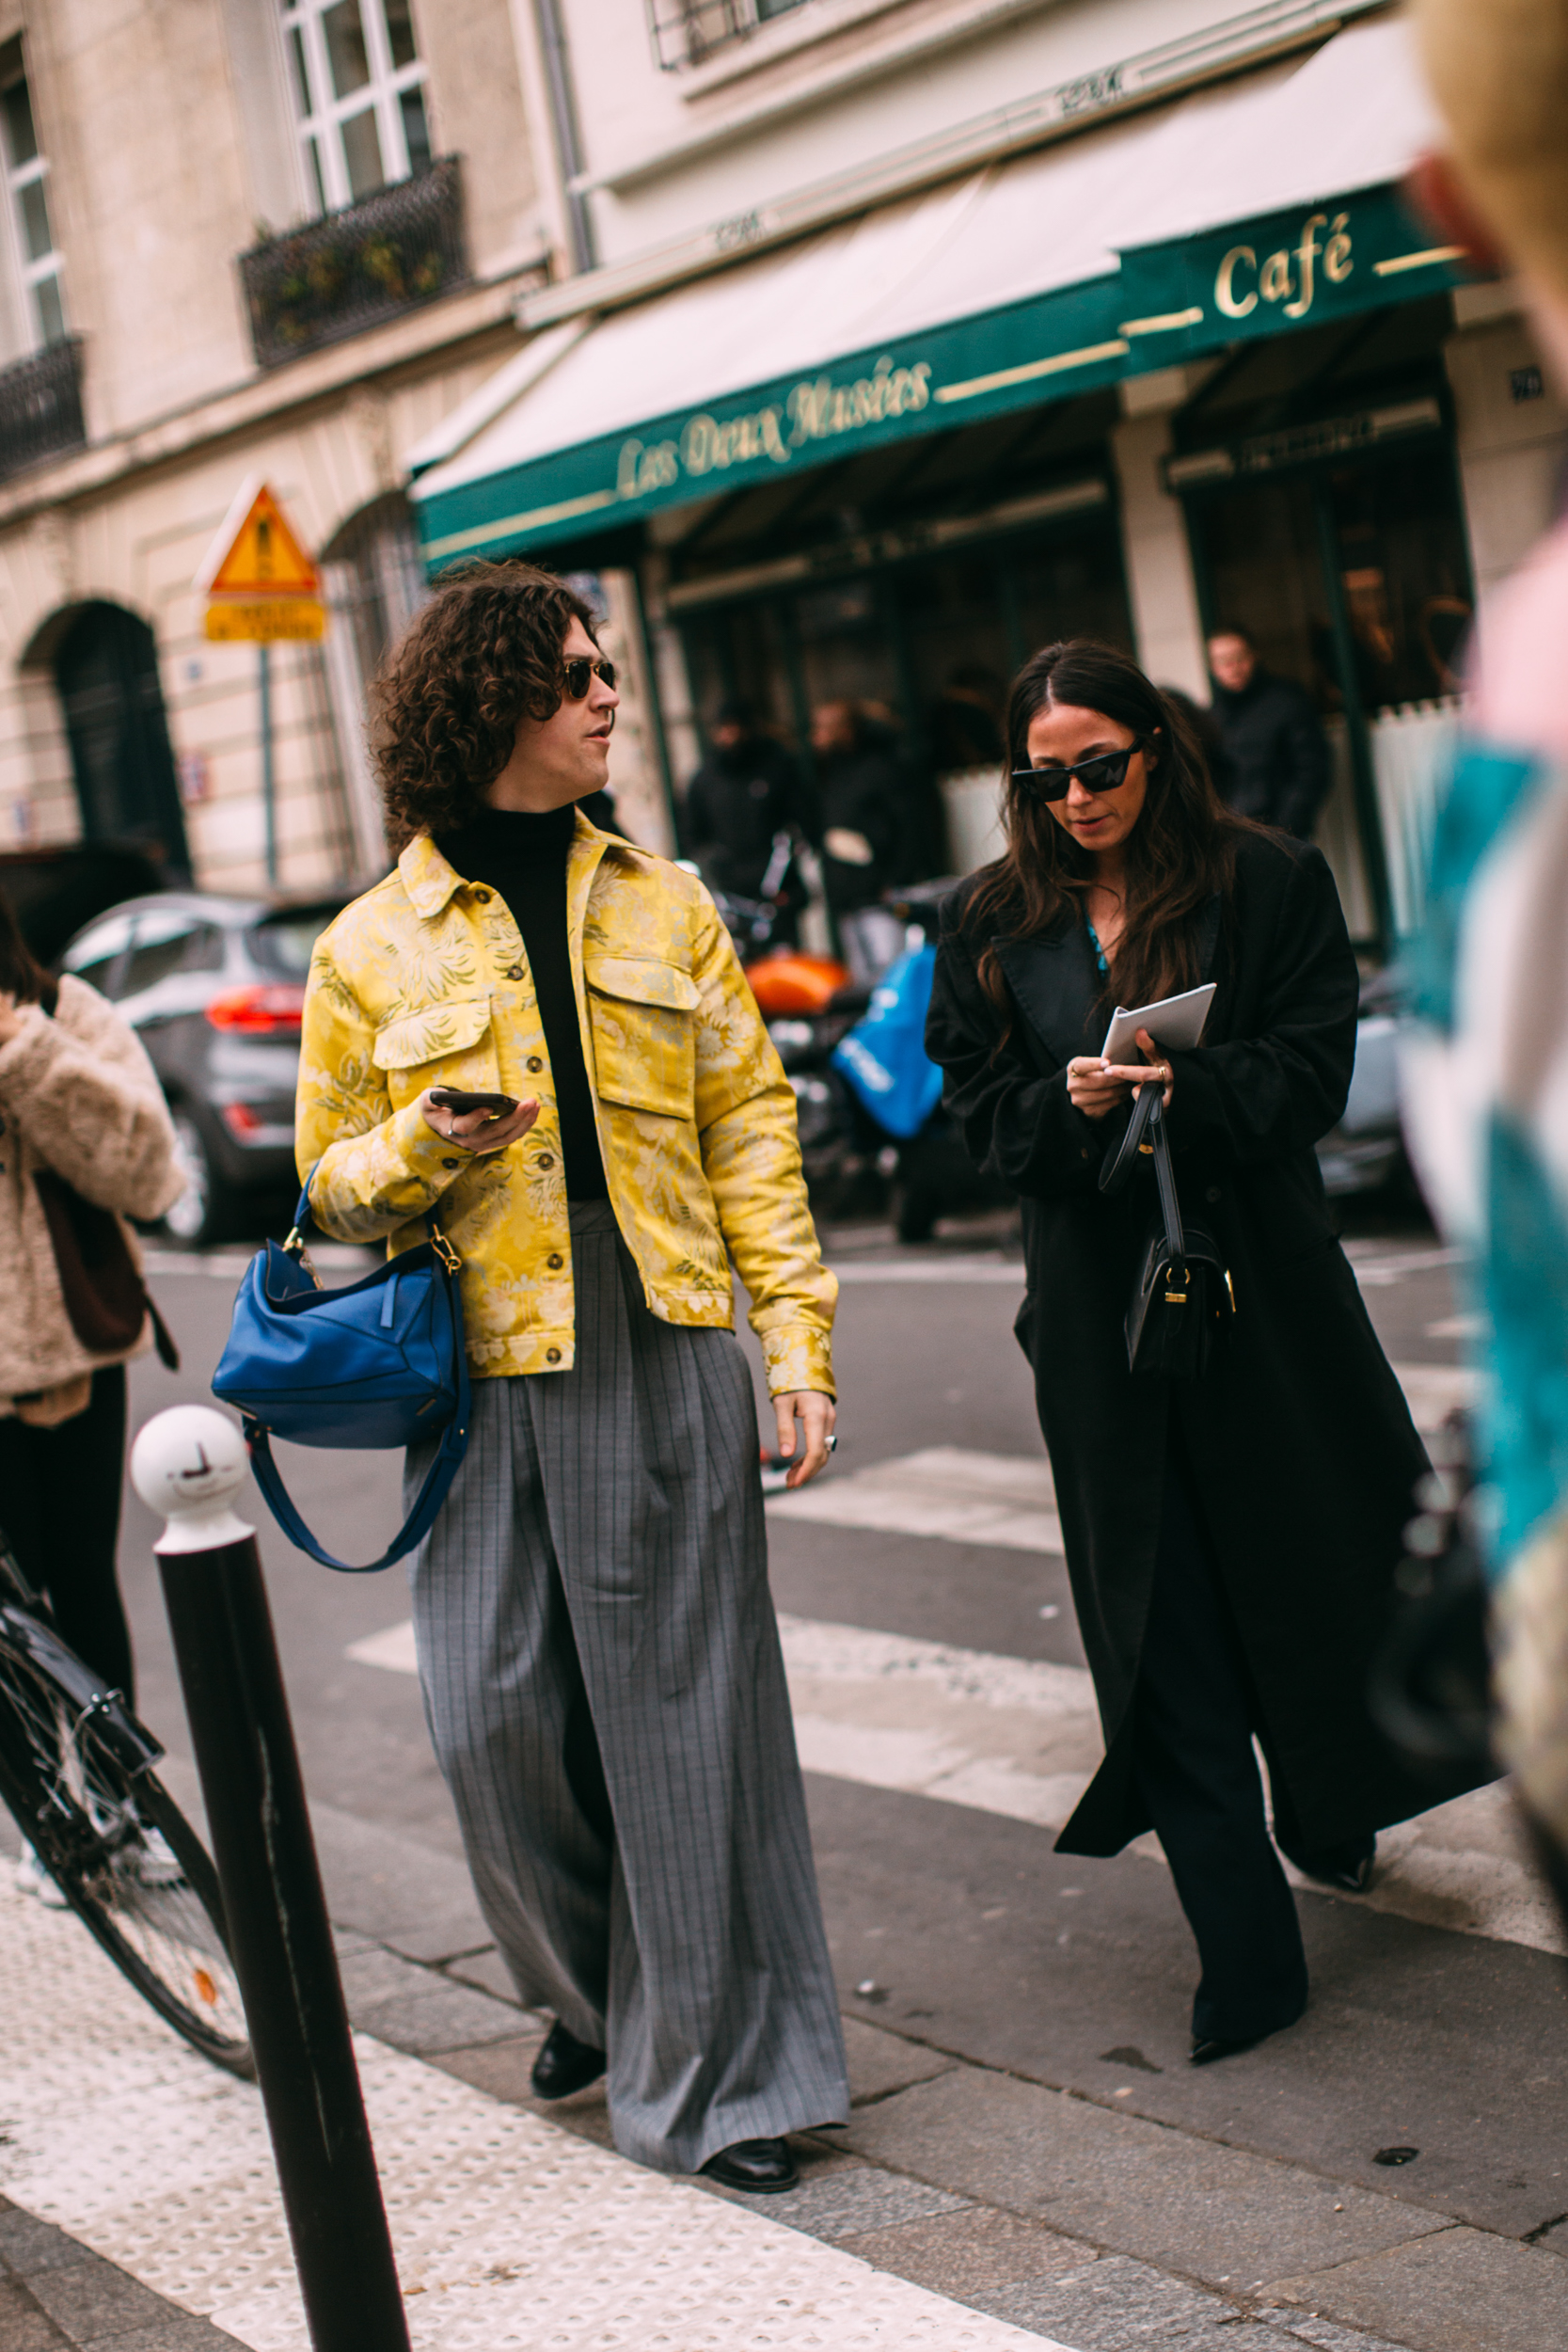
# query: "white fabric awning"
[[1027, 249]]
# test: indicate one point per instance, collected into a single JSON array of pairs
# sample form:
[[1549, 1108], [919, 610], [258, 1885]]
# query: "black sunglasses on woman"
[[1102, 773]]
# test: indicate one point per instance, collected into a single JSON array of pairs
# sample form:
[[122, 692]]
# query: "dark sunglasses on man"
[[1104, 773], [578, 673]]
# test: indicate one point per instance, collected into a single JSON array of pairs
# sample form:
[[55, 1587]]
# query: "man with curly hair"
[[597, 1650]]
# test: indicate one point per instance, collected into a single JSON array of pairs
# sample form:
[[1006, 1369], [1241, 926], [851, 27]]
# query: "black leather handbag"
[[1183, 1298]]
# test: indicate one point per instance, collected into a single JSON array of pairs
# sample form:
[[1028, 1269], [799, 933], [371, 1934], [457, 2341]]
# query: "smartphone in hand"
[[458, 1101]]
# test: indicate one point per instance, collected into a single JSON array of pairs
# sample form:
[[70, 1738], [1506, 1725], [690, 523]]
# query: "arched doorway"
[[106, 675]]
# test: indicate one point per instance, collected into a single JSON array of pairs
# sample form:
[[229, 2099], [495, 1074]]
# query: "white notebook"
[[1175, 1023]]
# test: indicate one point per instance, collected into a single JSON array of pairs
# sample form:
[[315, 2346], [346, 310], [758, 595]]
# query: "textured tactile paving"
[[509, 2232]]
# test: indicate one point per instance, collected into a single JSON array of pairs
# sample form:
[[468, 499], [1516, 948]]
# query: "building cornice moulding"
[[1110, 92], [1268, 29], [784, 39], [265, 403]]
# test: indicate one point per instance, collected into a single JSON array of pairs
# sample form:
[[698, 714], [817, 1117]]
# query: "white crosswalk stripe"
[[1021, 1738], [1008, 1499], [969, 1496]]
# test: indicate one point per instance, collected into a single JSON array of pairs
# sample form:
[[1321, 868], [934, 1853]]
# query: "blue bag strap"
[[438, 1478], [437, 1483]]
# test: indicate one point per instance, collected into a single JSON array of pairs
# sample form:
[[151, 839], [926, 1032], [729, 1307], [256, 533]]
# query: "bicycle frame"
[[24, 1621], [130, 1742]]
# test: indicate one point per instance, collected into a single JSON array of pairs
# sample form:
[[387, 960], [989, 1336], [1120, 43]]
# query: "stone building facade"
[[280, 237]]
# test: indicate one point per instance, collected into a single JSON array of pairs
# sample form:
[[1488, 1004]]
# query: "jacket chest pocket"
[[414, 1036], [643, 1018]]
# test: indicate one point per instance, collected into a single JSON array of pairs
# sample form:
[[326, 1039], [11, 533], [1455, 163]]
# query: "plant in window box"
[[325, 272], [380, 258]]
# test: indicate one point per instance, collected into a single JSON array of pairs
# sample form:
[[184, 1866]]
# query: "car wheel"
[[200, 1212]]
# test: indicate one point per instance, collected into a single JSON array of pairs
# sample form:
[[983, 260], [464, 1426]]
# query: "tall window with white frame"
[[39, 265], [358, 84]]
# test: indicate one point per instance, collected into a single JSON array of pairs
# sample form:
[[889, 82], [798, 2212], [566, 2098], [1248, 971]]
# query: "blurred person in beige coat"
[[78, 1096]]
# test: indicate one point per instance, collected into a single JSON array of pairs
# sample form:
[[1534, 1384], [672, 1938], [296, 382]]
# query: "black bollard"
[[279, 1935]]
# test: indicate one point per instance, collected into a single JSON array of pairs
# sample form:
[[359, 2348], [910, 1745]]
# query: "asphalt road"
[[963, 1929], [919, 1363]]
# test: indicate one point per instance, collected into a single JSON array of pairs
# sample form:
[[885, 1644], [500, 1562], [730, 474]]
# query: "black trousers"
[[1194, 1717], [59, 1506]]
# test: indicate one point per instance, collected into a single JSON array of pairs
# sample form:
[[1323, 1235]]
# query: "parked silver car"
[[1364, 1152], [214, 988]]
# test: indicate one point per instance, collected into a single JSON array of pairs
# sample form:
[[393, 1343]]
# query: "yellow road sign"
[[255, 553], [262, 620]]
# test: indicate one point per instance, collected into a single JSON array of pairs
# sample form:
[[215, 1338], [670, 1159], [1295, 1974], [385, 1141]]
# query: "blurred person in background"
[[748, 789], [1486, 1094], [865, 828], [1275, 749], [1206, 726], [964, 722], [83, 1130]]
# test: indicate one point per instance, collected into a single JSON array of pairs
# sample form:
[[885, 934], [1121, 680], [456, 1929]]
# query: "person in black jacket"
[[747, 791], [1273, 740], [1231, 1541], [866, 821]]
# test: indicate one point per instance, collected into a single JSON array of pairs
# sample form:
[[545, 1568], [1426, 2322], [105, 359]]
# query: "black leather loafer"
[[762, 2165], [1205, 2053], [565, 2065]]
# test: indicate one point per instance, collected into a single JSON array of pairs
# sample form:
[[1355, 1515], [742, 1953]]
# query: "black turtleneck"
[[524, 858]]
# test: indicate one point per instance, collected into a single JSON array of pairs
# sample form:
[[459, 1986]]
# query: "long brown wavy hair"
[[1179, 854], [484, 653]]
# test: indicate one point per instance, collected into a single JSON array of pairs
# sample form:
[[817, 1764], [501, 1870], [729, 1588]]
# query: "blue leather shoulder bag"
[[380, 1363]]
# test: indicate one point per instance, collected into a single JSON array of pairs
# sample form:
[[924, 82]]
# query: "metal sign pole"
[[190, 1463], [269, 781]]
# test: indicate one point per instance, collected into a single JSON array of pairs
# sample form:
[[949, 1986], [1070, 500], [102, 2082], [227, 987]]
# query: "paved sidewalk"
[[966, 2209], [508, 2232]]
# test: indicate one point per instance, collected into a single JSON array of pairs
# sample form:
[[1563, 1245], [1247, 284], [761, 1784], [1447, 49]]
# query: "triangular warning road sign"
[[255, 553]]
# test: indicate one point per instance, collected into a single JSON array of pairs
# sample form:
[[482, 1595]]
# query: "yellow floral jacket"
[[424, 981]]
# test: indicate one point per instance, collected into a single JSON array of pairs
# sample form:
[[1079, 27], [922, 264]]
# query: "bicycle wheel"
[[126, 1859]]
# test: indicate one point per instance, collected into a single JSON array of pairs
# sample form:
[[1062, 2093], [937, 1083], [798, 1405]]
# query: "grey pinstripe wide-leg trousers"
[[606, 1694]]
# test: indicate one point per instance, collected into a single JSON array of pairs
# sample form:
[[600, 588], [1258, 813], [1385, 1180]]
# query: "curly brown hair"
[[484, 653]]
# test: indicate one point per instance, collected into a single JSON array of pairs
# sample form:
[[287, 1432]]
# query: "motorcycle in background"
[[873, 1132]]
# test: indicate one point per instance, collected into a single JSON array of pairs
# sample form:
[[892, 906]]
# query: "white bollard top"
[[188, 1464]]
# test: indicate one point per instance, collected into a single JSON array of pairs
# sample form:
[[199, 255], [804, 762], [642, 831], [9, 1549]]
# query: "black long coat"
[[1301, 1445]]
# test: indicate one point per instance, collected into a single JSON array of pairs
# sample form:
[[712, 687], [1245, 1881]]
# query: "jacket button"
[[482, 896], [547, 1159], [451, 1163], [535, 1065], [514, 971], [555, 1262], [552, 1355], [1213, 1193], [1085, 1152]]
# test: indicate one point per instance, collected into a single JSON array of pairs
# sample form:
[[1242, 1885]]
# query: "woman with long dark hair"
[[1231, 1539]]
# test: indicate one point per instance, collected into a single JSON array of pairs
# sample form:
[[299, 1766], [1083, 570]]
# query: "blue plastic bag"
[[884, 1058]]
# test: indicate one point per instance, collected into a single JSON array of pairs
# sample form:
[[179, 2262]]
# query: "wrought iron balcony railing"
[[352, 269], [40, 406], [689, 32]]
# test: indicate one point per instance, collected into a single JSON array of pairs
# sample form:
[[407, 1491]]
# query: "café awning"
[[1251, 209]]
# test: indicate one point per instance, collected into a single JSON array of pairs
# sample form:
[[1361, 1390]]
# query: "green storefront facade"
[[930, 508]]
